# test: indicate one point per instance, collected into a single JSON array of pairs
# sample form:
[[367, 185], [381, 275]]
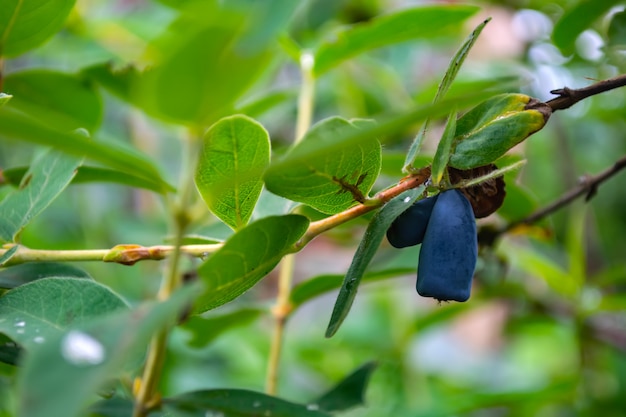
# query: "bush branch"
[[588, 187], [569, 96]]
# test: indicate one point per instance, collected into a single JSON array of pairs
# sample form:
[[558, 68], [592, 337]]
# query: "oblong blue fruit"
[[408, 229], [448, 255]]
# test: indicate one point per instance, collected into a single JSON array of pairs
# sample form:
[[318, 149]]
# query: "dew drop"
[[39, 339], [20, 331], [79, 348], [312, 407], [407, 199], [256, 404], [20, 324], [211, 413]]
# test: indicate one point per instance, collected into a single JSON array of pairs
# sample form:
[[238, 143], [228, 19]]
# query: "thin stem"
[[282, 308], [569, 96], [148, 396]]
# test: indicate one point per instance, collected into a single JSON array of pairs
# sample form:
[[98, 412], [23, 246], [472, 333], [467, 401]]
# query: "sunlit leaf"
[[246, 257], [21, 127], [576, 19], [365, 252], [6, 256], [34, 313], [58, 377], [236, 403], [453, 69], [333, 181], [89, 174], [348, 393], [48, 176], [419, 22], [205, 329], [57, 99], [442, 155], [27, 24], [4, 98], [17, 275], [235, 152]]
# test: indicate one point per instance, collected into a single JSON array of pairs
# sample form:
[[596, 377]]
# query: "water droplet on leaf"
[[80, 348]]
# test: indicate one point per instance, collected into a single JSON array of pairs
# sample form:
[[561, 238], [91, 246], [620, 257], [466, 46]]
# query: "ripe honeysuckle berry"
[[408, 228], [449, 250]]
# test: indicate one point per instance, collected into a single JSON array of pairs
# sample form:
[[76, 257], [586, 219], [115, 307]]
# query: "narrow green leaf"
[[48, 176], [6, 256], [58, 377], [576, 19], [365, 252], [348, 393], [236, 403], [57, 99], [4, 98], [21, 127], [17, 275], [89, 174], [205, 329], [235, 152], [414, 23], [113, 407], [333, 181], [442, 154], [453, 69], [27, 24], [246, 257], [321, 284], [34, 313]]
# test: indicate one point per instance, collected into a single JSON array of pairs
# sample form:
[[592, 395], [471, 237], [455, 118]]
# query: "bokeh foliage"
[[122, 85]]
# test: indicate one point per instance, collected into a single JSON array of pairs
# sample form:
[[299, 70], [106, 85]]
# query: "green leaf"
[[57, 99], [208, 44], [34, 313], [59, 376], [48, 176], [349, 393], [365, 252], [21, 127], [576, 19], [121, 82], [6, 256], [235, 403], [205, 330], [333, 181], [17, 275], [453, 69], [235, 152], [617, 30], [246, 257], [4, 98], [113, 407], [266, 102], [89, 174], [25, 25], [321, 284], [419, 22], [442, 155]]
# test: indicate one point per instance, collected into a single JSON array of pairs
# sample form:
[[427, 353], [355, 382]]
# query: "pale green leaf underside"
[[48, 176], [25, 24], [335, 180], [33, 313], [235, 152], [246, 257]]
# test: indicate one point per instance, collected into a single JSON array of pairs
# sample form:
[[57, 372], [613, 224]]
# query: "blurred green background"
[[544, 333]]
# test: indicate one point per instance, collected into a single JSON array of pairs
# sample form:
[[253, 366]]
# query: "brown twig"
[[569, 96], [588, 186]]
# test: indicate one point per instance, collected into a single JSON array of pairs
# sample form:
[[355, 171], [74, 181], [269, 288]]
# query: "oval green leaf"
[[419, 22], [349, 392], [333, 181], [17, 275], [33, 313], [236, 403], [25, 24], [246, 257], [235, 152]]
